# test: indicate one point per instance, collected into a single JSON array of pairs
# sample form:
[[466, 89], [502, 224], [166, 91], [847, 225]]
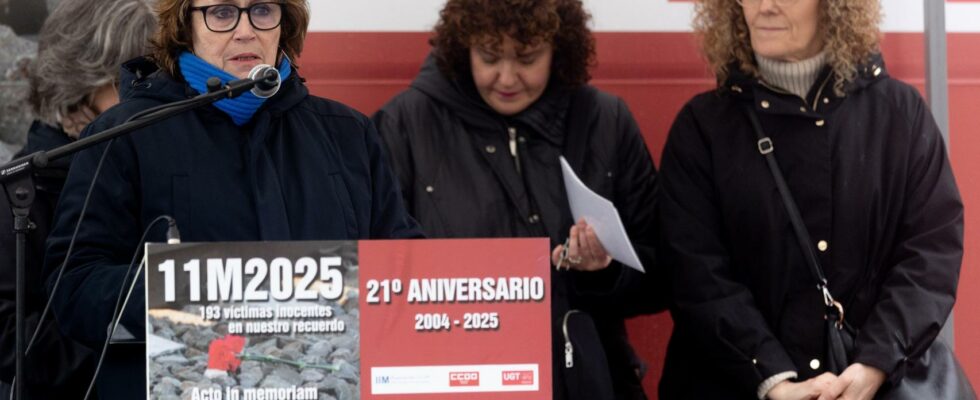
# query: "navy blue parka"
[[304, 168]]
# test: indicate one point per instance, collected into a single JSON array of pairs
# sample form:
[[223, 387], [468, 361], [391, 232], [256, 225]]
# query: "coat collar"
[[820, 98], [546, 117], [44, 137], [142, 78]]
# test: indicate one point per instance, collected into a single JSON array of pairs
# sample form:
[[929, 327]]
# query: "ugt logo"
[[521, 378]]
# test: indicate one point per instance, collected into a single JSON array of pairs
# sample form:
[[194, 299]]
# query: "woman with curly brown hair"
[[808, 168], [476, 140]]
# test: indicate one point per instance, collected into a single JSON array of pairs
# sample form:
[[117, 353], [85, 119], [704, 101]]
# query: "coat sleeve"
[[389, 217], [710, 303], [918, 287], [85, 297], [619, 289]]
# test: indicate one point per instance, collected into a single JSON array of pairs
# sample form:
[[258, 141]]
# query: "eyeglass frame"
[[781, 3], [238, 19]]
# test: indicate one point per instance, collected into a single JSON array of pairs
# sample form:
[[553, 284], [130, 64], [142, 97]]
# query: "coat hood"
[[546, 116]]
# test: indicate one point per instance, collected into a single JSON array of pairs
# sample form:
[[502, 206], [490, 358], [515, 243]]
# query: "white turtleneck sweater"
[[795, 77]]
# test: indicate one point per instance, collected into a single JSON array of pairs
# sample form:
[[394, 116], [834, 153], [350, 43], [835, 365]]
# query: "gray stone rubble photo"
[[175, 374]]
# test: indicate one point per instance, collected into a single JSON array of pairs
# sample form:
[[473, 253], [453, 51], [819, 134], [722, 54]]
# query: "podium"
[[406, 319]]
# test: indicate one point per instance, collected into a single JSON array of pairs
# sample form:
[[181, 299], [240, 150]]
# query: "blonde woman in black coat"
[[869, 172]]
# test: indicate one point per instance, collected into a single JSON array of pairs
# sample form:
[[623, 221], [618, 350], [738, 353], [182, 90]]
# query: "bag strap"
[[766, 148]]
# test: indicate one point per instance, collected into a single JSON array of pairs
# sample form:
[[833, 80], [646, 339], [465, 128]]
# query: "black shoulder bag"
[[935, 375]]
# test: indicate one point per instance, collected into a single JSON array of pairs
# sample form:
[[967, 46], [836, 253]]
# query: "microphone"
[[266, 79], [173, 234]]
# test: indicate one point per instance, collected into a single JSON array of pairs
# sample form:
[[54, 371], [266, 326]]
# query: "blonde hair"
[[850, 29]]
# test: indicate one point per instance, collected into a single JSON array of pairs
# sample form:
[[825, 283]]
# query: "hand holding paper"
[[602, 215], [582, 251]]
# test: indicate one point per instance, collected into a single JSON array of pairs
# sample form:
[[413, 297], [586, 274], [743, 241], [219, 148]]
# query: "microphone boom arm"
[[16, 179]]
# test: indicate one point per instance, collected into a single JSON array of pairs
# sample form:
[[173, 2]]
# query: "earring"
[[285, 56]]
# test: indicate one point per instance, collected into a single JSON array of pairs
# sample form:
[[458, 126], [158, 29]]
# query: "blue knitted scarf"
[[241, 109]]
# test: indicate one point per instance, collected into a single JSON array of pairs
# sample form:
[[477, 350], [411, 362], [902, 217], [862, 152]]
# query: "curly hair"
[[850, 29], [563, 23], [174, 33]]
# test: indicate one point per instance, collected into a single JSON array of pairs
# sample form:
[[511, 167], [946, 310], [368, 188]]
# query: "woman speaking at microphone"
[[288, 167]]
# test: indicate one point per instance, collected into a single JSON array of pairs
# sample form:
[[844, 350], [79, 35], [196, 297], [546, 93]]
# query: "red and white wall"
[[363, 52]]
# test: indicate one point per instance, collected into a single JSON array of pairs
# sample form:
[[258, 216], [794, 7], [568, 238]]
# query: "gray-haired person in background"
[[73, 79]]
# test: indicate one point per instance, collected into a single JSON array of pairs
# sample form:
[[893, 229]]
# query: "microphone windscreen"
[[268, 80]]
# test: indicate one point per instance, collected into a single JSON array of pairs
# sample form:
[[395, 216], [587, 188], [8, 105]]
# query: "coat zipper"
[[816, 100], [512, 132], [569, 351]]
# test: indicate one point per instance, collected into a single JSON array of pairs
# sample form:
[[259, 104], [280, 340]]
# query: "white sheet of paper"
[[156, 345], [602, 215]]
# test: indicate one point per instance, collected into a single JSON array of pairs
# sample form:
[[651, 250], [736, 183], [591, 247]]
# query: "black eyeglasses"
[[224, 17]]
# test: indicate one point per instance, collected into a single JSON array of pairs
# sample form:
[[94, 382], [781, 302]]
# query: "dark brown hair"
[[563, 23], [173, 35]]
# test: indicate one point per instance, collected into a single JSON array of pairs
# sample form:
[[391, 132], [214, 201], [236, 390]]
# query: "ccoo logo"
[[464, 378]]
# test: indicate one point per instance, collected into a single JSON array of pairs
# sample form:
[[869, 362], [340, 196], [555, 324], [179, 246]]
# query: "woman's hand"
[[806, 390], [857, 382], [585, 252]]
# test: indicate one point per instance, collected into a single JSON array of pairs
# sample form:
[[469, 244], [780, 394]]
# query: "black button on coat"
[[870, 175]]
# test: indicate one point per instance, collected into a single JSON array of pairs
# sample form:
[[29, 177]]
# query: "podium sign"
[[454, 319], [417, 319]]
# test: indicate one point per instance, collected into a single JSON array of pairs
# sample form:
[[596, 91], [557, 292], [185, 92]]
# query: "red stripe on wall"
[[656, 73]]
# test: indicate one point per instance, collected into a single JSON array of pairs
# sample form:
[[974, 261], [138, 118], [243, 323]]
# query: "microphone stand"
[[17, 180]]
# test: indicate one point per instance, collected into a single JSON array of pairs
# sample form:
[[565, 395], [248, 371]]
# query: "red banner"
[[455, 319]]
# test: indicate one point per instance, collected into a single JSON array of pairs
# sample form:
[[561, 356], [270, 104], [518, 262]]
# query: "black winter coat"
[[59, 367], [871, 178], [304, 168], [451, 153]]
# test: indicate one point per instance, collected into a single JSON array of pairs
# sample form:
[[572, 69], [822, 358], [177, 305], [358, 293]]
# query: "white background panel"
[[610, 15]]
